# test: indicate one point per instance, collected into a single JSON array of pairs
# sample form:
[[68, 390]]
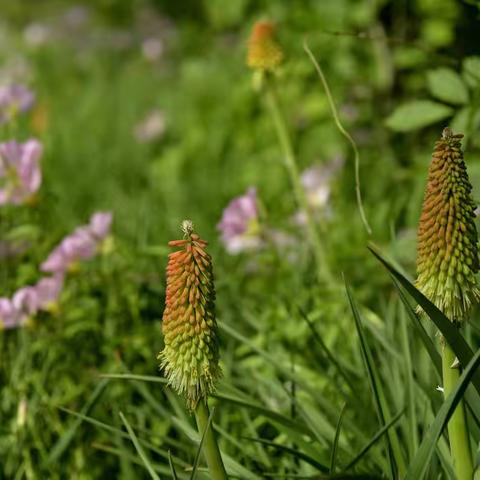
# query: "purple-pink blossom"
[[239, 226], [9, 317], [20, 171], [100, 224], [13, 100], [48, 291], [82, 244], [28, 301], [317, 184]]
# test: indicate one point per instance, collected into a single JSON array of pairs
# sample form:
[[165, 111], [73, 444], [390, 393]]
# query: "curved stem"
[[457, 428], [342, 130], [291, 164], [210, 446]]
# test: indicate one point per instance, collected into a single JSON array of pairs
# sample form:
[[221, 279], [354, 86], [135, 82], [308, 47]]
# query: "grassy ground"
[[293, 356]]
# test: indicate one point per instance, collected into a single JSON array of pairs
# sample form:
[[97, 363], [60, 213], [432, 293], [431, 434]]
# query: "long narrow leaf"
[[373, 441], [421, 461], [139, 448], [261, 410], [427, 341], [64, 441], [458, 344], [172, 466], [131, 376], [375, 385], [333, 458], [472, 396], [292, 451]]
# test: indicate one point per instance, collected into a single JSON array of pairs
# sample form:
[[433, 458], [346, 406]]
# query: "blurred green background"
[[146, 108]]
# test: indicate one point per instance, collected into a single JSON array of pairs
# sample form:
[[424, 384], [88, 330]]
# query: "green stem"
[[342, 130], [291, 164], [457, 428], [210, 446]]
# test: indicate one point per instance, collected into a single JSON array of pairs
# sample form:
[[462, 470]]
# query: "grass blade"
[[172, 466], [298, 454], [375, 385], [131, 376], [261, 410], [333, 458], [421, 461], [64, 441], [417, 325], [472, 396], [373, 441], [456, 341], [326, 350], [139, 448]]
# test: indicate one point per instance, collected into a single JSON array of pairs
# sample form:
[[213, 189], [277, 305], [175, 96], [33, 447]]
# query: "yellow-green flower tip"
[[264, 52], [447, 251], [190, 357]]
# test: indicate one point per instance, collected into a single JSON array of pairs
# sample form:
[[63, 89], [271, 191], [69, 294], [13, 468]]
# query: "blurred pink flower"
[[100, 224], [317, 181], [48, 290], [152, 48], [20, 169], [9, 317], [37, 34], [25, 301], [82, 244], [14, 99], [239, 226], [152, 127]]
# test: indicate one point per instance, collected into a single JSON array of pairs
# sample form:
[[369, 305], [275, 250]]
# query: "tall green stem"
[[210, 446], [457, 428], [291, 164]]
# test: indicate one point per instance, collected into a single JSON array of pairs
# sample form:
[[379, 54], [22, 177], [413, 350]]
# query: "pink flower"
[[82, 244], [152, 49], [316, 182], [48, 290], [9, 316], [100, 224], [239, 226], [25, 301], [13, 100], [19, 166]]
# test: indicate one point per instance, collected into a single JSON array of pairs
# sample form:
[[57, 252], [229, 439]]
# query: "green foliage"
[[316, 385], [417, 114], [447, 85]]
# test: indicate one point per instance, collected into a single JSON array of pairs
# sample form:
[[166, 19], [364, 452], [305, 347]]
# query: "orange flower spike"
[[447, 250], [264, 52], [190, 356]]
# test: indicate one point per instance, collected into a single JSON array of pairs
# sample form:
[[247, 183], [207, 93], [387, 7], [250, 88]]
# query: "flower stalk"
[[264, 56], [447, 261], [292, 168], [190, 357], [210, 445], [457, 426]]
